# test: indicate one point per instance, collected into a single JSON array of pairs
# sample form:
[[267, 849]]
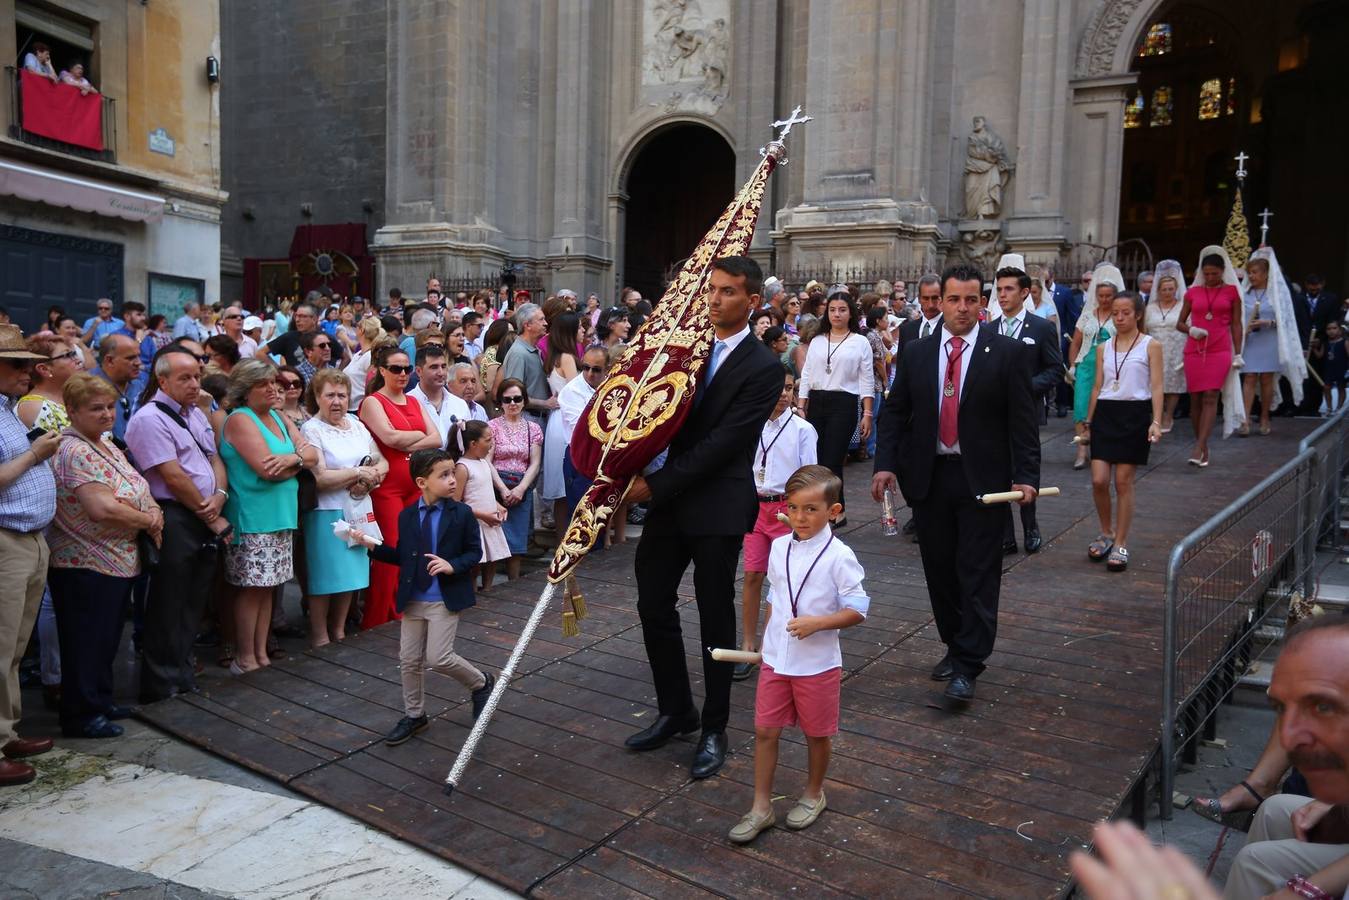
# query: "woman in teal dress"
[[1094, 328], [262, 452]]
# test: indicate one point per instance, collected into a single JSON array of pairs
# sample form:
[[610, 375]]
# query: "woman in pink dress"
[[1211, 316]]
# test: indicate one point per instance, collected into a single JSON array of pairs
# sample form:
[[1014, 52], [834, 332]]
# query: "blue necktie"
[[428, 546], [712, 365]]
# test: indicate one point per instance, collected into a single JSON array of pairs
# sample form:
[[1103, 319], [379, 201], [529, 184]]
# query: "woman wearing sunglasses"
[[517, 455], [399, 426], [292, 395]]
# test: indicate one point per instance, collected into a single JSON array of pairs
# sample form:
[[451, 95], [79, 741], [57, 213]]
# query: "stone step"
[[1257, 676]]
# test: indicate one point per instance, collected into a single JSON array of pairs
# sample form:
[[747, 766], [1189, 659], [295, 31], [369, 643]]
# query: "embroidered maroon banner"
[[61, 112], [636, 412]]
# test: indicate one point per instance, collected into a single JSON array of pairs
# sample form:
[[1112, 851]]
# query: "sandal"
[[1100, 548], [1264, 430], [1118, 560], [1211, 808], [226, 656]]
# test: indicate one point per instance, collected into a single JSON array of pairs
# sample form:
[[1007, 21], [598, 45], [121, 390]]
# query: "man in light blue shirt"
[[96, 328], [187, 325]]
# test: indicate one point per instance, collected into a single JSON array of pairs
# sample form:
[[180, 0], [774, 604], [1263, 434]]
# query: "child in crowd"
[[1336, 366], [479, 485], [438, 545], [786, 444], [815, 588]]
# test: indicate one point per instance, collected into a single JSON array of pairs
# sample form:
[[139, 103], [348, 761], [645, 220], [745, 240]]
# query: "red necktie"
[[948, 430]]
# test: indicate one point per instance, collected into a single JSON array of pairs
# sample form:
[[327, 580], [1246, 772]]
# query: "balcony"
[[106, 128]]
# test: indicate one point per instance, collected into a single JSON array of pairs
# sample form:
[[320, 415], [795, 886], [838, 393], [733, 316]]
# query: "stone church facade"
[[513, 130]]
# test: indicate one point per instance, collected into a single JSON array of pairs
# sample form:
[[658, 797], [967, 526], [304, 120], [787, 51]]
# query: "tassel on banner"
[[569, 626], [578, 605]]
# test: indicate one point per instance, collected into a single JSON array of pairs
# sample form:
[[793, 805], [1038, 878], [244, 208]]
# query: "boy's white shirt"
[[834, 584]]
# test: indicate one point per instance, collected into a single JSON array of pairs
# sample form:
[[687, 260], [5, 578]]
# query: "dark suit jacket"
[[458, 542], [1042, 357], [908, 333], [1328, 309], [1069, 304], [999, 432], [706, 486]]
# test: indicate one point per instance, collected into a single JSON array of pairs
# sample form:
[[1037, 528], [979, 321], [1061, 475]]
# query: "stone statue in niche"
[[987, 169], [689, 47]]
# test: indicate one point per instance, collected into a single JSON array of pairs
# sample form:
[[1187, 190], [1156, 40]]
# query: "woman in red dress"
[[399, 427], [1212, 316]]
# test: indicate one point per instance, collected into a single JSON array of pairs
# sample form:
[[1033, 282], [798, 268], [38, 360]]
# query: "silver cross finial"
[[1241, 158], [786, 124], [1265, 216]]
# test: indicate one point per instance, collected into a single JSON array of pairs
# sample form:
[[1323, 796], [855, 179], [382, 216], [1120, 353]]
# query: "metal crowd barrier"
[[1216, 585], [1328, 443]]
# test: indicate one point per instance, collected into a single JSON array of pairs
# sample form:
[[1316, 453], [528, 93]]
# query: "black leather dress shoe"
[[661, 730], [960, 688], [943, 671], [481, 694], [1008, 548], [742, 671], [405, 729], [711, 755], [910, 527], [1033, 541]]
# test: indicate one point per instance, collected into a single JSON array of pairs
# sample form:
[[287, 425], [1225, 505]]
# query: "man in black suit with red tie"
[[960, 421], [702, 503]]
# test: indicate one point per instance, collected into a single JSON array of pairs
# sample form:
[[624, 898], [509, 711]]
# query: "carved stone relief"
[[686, 54], [1101, 36]]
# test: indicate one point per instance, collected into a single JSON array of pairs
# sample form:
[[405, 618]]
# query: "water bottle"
[[889, 524]]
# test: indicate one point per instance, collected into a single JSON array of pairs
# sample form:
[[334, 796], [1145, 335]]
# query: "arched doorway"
[[1215, 77], [679, 181]]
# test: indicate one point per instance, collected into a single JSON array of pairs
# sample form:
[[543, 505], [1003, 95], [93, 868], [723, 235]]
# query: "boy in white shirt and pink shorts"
[[815, 589], [787, 443]]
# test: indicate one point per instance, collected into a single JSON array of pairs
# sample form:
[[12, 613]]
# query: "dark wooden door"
[[39, 269]]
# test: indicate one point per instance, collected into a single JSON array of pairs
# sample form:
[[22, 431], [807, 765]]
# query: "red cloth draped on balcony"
[[61, 112]]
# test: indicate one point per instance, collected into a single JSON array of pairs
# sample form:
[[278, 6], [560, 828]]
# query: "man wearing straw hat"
[[27, 505]]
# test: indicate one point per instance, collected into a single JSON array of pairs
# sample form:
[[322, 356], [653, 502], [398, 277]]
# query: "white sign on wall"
[[160, 142]]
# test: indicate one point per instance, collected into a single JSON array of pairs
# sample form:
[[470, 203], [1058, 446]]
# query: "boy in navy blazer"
[[438, 547]]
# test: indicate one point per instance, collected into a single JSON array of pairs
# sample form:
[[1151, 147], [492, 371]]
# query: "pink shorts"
[[766, 527], [811, 700]]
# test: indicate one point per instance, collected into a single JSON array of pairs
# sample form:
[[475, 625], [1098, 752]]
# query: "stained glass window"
[[1211, 99], [1161, 107], [1231, 96], [1133, 112], [1157, 41]]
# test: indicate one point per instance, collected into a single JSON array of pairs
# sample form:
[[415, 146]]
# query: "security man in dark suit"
[[928, 323], [1040, 351], [960, 421], [702, 502], [1314, 308]]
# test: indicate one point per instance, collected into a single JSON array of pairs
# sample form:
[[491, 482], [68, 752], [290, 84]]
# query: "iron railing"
[[19, 133], [1219, 579]]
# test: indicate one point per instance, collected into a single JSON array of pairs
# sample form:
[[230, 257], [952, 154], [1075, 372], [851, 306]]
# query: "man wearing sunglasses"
[[317, 347], [304, 320], [119, 364], [96, 328], [232, 326]]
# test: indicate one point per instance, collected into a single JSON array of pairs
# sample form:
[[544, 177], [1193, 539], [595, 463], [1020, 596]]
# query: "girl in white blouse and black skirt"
[[1124, 420], [838, 369]]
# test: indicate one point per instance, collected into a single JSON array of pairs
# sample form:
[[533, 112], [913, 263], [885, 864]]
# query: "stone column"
[[577, 249], [439, 196], [1035, 226], [1097, 136], [863, 197]]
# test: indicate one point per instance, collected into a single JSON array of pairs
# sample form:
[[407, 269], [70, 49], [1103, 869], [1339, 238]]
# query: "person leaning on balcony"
[[39, 60], [74, 76]]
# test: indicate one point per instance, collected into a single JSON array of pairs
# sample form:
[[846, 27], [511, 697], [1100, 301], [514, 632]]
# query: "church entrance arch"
[[678, 181]]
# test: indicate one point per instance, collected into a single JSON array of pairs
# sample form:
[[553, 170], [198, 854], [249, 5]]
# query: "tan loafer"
[[804, 813], [751, 826]]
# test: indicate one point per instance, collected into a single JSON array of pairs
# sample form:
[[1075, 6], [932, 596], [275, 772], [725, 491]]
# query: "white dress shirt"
[[928, 327], [834, 584], [571, 402], [966, 354], [730, 344], [849, 366], [1016, 322], [452, 409], [786, 444]]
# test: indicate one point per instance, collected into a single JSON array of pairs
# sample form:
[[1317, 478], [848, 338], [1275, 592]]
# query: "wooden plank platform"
[[987, 802]]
